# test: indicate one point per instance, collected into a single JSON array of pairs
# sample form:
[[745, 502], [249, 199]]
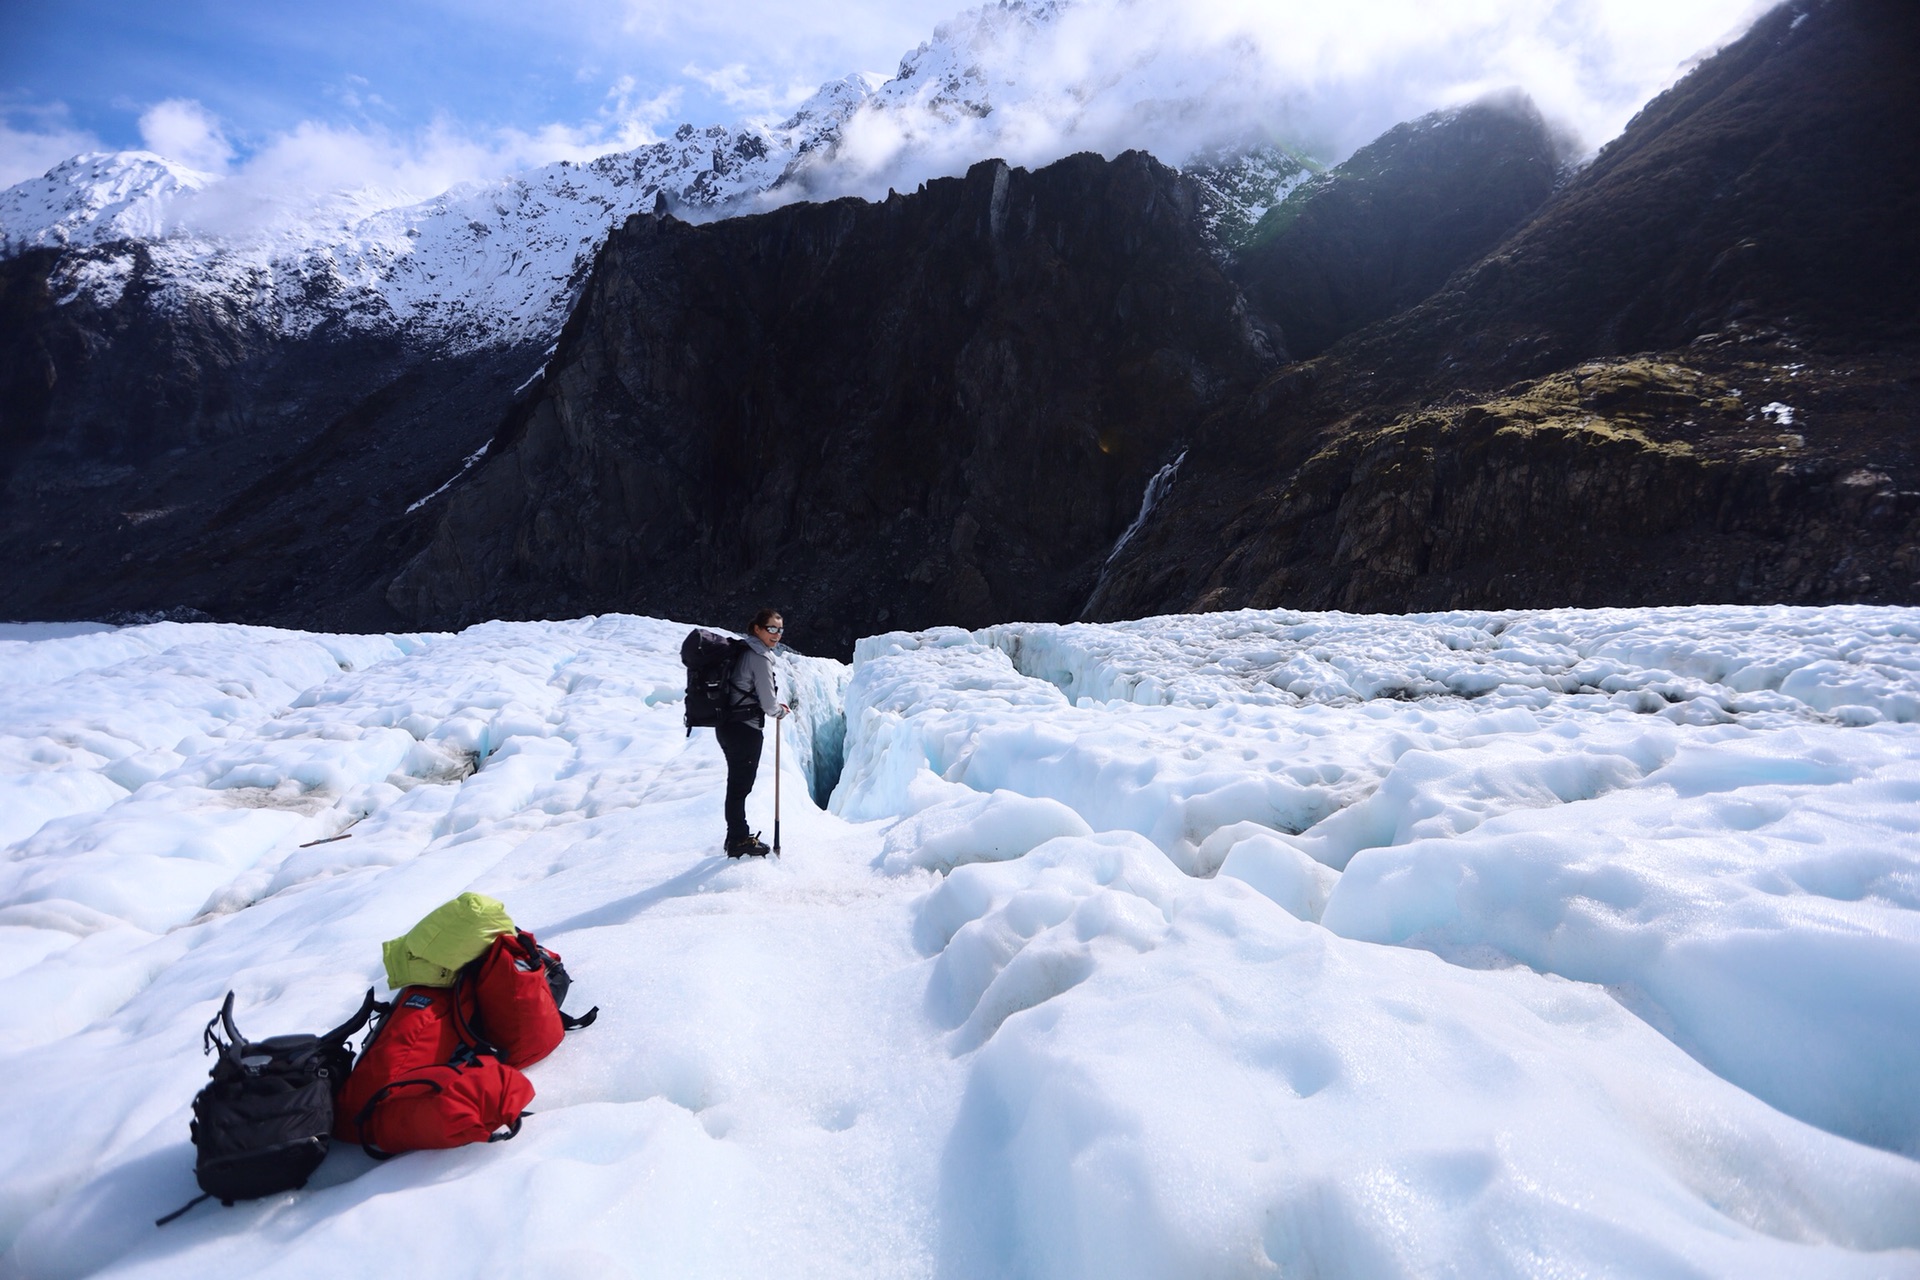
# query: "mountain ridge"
[[500, 263]]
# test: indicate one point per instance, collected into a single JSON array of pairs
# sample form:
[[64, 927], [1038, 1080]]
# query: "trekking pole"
[[778, 721]]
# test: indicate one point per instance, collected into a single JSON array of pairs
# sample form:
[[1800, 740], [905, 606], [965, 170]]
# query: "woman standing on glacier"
[[753, 695]]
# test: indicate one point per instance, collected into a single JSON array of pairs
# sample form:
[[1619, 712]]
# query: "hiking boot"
[[747, 847]]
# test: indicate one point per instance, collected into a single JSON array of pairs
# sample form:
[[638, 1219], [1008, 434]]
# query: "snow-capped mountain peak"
[[479, 264], [952, 74], [500, 262], [120, 195]]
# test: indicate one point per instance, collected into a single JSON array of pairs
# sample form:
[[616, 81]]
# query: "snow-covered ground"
[[1579, 943]]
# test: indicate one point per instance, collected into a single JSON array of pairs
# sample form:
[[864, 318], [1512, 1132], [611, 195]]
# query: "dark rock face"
[[1755, 236], [943, 408], [1774, 192], [1623, 482], [1778, 186], [157, 456], [1386, 228]]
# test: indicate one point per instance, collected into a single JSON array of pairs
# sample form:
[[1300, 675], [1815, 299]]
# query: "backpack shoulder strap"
[[739, 699], [382, 1014], [470, 1037], [204, 1195], [210, 1041], [353, 1024]]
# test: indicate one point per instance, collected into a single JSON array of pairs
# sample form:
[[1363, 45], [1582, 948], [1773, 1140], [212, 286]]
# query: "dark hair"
[[763, 617]]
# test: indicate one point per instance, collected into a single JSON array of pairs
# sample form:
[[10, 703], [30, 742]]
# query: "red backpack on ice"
[[418, 1085], [442, 1066], [507, 1002], [449, 1105]]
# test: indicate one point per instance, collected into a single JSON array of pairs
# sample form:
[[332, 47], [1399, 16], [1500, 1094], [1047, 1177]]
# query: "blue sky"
[[77, 73], [413, 95], [268, 67]]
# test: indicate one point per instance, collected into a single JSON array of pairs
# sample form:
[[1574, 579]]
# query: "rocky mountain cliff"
[[944, 408], [1693, 376], [1393, 221], [939, 408], [182, 456]]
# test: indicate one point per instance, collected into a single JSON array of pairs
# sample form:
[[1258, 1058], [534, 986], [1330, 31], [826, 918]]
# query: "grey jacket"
[[753, 679]]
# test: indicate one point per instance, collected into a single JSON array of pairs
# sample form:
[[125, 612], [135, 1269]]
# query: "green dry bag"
[[452, 934]]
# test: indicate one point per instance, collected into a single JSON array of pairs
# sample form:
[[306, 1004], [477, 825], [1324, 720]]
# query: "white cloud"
[[34, 139], [628, 112], [1172, 76], [340, 172], [1167, 75], [184, 131], [348, 172], [736, 86]]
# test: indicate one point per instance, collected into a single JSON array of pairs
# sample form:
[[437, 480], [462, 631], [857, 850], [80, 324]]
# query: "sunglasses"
[[775, 631]]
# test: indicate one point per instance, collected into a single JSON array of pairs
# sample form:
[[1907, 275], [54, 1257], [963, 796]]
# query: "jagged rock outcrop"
[[1387, 226], [1693, 376], [183, 457], [1632, 481], [941, 408]]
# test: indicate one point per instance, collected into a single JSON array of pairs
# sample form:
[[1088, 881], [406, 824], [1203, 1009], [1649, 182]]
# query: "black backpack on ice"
[[264, 1122], [710, 659]]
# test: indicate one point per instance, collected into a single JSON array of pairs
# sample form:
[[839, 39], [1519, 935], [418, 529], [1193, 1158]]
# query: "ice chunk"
[[1277, 869], [977, 828]]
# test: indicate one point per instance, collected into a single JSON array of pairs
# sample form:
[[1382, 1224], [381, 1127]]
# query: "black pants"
[[740, 743]]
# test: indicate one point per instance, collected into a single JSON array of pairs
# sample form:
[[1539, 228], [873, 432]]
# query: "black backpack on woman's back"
[[710, 659]]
